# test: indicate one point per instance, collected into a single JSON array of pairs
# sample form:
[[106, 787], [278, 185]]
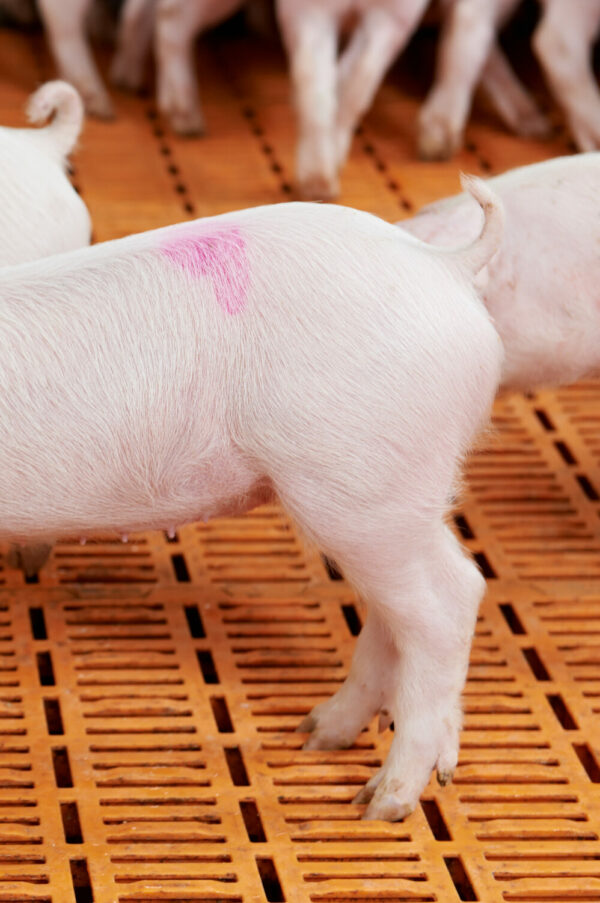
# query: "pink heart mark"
[[219, 255]]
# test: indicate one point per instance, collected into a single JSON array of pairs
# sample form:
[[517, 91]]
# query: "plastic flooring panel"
[[150, 691]]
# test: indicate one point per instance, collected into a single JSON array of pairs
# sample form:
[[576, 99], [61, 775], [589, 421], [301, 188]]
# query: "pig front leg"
[[310, 36], [465, 42], [378, 39], [563, 43], [65, 23]]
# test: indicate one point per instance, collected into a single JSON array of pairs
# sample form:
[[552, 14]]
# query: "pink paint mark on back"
[[221, 256]]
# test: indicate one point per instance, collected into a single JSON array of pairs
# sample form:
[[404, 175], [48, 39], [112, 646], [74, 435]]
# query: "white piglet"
[[40, 211], [312, 352], [541, 288]]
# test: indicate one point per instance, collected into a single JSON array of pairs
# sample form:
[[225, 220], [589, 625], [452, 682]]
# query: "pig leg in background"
[[311, 40], [563, 43], [134, 40], [512, 101], [66, 27], [467, 37], [378, 39], [177, 24]]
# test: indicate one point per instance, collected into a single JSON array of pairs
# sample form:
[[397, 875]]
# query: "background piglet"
[[40, 212], [541, 288]]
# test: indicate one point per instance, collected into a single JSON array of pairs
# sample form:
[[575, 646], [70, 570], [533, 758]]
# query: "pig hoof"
[[385, 720], [318, 188], [444, 777], [387, 800], [188, 123], [99, 105], [308, 724], [365, 795], [437, 141], [321, 740], [388, 808]]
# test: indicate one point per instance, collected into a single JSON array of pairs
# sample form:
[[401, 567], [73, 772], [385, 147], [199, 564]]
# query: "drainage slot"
[[221, 714], [45, 669], [172, 537], [460, 879], [435, 819], [53, 716], [270, 880], [544, 420], [62, 767], [589, 490], [485, 567], [71, 824], [81, 881], [512, 619], [194, 620], [331, 569], [352, 619], [565, 452], [32, 578], [252, 822], [38, 624], [207, 666], [463, 526], [182, 575], [237, 768], [588, 761], [535, 663], [560, 709]]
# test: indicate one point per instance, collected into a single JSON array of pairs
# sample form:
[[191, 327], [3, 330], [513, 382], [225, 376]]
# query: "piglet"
[[41, 213], [541, 288], [192, 371]]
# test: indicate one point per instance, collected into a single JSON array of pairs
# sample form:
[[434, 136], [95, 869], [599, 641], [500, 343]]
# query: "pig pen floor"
[[149, 692]]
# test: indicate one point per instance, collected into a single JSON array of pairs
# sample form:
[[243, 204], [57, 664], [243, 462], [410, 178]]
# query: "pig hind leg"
[[423, 595]]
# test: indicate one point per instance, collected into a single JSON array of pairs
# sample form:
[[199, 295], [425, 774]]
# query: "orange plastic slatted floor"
[[149, 692]]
